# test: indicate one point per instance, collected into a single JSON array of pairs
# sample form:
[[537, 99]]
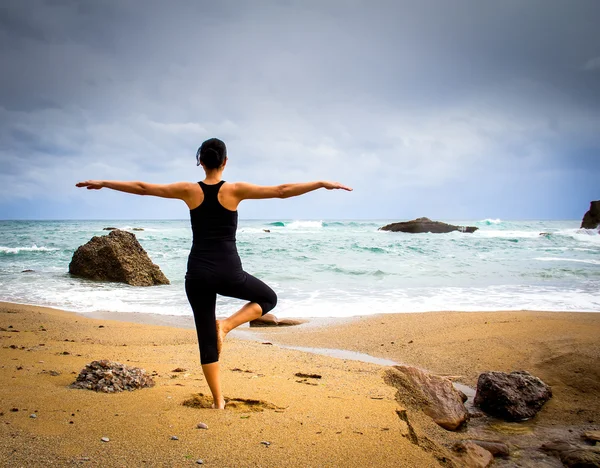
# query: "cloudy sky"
[[451, 109]]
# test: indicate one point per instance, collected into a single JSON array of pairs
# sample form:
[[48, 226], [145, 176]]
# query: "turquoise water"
[[325, 268]]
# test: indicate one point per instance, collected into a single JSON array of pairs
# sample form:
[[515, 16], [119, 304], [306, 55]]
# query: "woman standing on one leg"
[[214, 266]]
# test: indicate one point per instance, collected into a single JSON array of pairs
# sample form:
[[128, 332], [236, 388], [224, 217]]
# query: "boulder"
[[110, 377], [269, 320], [495, 447], [117, 257], [420, 225], [574, 455], [432, 394], [109, 228], [513, 397], [591, 220], [471, 455]]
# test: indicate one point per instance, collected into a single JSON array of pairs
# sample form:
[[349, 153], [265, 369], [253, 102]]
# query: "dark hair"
[[212, 153]]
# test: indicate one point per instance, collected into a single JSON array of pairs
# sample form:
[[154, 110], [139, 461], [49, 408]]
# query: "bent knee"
[[269, 303]]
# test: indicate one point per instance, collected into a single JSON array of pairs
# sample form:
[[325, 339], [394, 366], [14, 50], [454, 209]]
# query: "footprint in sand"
[[200, 400]]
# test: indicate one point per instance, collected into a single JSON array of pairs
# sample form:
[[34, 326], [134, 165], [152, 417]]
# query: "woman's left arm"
[[180, 190]]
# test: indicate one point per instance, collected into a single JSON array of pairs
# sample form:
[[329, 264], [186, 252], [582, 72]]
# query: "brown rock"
[[574, 455], [591, 220], [289, 322], [495, 447], [117, 257], [514, 397], [434, 395], [471, 455], [269, 320], [420, 225]]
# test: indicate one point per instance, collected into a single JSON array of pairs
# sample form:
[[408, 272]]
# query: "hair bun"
[[213, 153]]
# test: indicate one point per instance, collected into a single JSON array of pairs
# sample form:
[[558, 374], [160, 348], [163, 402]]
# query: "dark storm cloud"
[[428, 94]]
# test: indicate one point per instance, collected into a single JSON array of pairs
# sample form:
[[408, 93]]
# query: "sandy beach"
[[348, 417]]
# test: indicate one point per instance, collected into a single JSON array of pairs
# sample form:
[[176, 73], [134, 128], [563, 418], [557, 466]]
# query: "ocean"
[[324, 268]]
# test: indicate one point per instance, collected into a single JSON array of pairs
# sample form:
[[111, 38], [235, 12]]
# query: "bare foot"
[[220, 337], [220, 406]]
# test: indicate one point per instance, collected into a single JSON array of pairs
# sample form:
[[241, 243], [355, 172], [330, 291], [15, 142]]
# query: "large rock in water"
[[117, 257], [513, 397], [421, 225], [591, 220], [432, 394]]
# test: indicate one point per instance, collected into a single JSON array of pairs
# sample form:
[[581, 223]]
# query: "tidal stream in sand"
[[524, 438]]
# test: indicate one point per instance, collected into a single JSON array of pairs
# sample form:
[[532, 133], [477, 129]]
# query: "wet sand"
[[346, 418]]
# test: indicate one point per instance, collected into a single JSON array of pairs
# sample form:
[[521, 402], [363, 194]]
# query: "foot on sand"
[[220, 406]]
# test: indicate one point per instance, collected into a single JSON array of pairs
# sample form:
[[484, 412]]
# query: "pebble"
[[202, 426], [105, 439], [200, 462], [33, 416], [264, 442], [174, 438]]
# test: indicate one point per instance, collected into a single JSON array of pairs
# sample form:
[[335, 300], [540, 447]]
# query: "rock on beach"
[[111, 377], [117, 257], [434, 395], [269, 320], [514, 397]]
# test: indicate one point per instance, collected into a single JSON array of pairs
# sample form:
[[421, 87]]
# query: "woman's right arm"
[[245, 191]]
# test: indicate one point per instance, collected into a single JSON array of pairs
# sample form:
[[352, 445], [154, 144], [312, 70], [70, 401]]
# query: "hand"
[[90, 184], [335, 186]]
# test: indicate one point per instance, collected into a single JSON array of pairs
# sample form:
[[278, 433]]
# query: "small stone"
[[202, 426], [33, 416], [264, 442], [179, 369], [200, 462], [105, 439], [174, 438], [14, 410]]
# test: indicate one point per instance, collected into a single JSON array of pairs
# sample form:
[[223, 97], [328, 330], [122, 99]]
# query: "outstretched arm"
[[179, 190], [244, 190]]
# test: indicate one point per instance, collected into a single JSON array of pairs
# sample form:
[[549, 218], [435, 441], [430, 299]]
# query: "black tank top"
[[213, 225]]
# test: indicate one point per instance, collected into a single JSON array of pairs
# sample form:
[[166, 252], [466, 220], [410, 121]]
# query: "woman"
[[214, 266]]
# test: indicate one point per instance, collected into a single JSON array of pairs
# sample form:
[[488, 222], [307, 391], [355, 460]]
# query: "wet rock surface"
[[421, 225], [513, 397], [471, 455], [435, 395], [111, 377], [495, 447], [117, 257], [574, 455], [591, 220]]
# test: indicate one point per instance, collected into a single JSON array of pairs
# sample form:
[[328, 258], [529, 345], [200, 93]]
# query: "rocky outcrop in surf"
[[591, 220], [118, 257], [421, 225]]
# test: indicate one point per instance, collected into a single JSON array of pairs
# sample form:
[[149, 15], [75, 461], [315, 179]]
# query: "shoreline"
[[346, 418]]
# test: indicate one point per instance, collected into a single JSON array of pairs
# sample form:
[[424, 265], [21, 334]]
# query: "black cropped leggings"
[[202, 295]]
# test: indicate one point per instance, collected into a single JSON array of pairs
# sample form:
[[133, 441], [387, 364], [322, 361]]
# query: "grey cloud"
[[429, 93]]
